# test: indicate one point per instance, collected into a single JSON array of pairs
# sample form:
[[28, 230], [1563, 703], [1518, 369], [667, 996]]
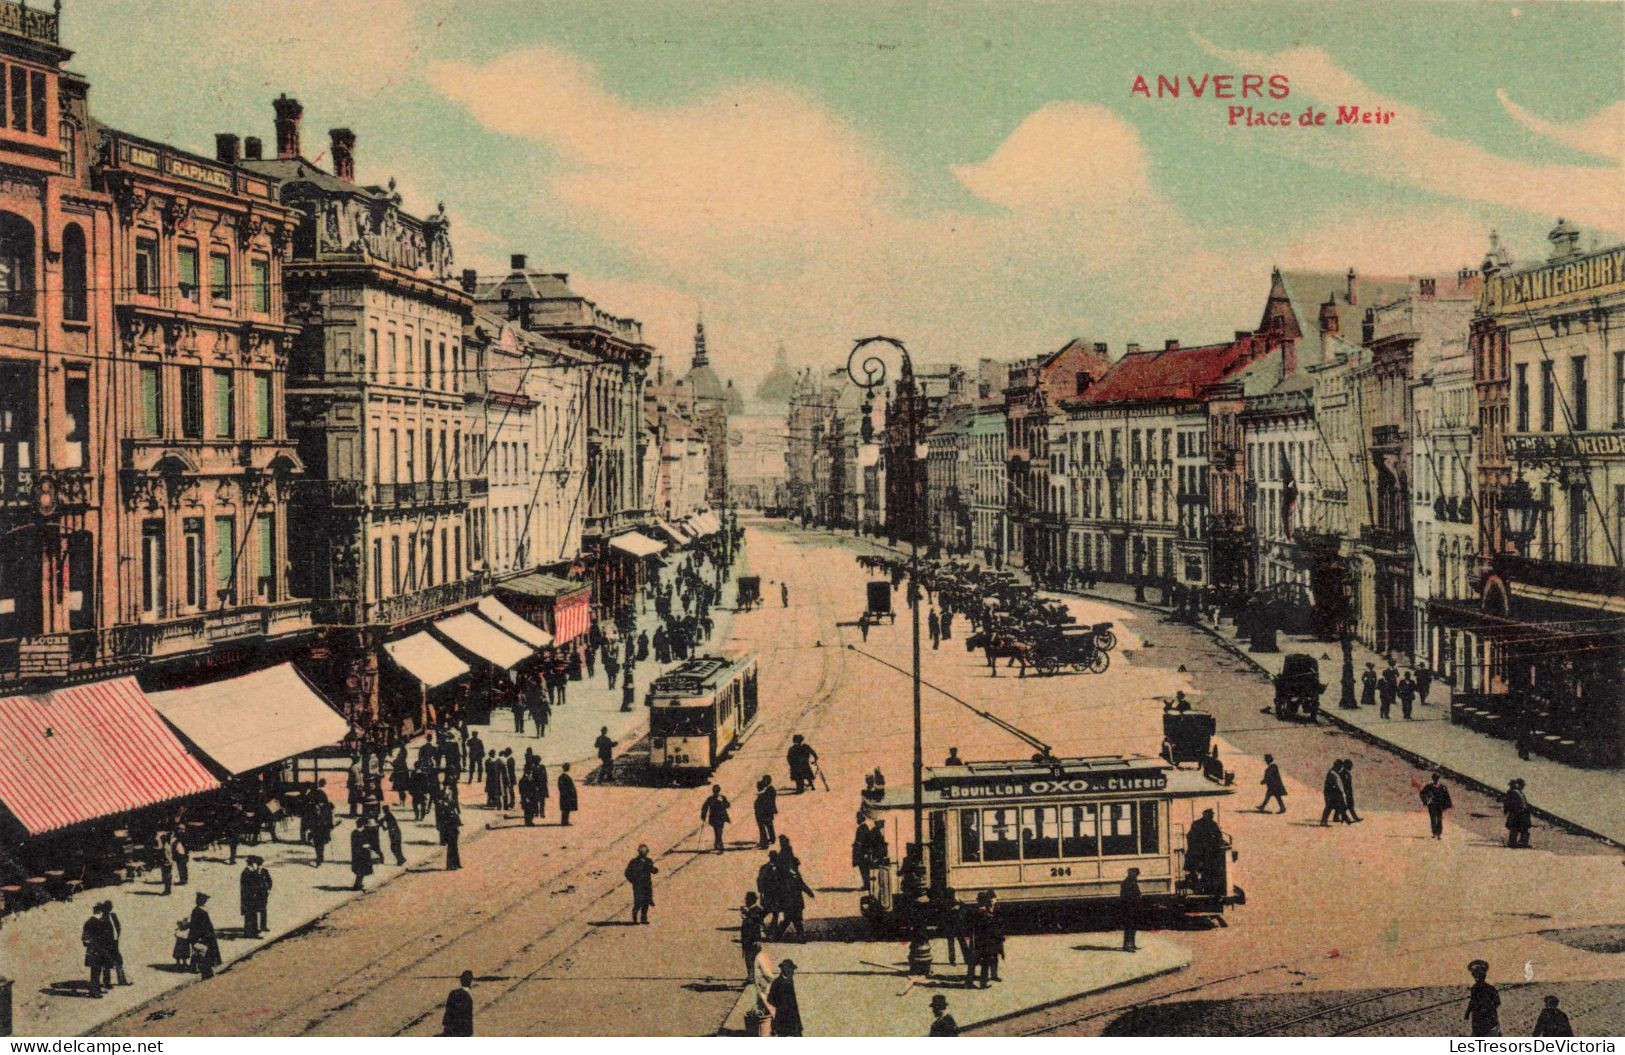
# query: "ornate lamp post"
[[1520, 513], [871, 377]]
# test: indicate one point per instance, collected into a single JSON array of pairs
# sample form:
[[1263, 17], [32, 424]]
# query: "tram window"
[[1150, 842], [970, 836], [999, 835], [1078, 835], [1040, 832], [1117, 830], [679, 721]]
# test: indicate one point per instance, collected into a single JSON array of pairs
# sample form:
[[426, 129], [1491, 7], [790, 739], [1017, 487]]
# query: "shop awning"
[[704, 524], [256, 720], [675, 533], [470, 632], [513, 623], [90, 751], [426, 659], [541, 585], [572, 617], [637, 544]]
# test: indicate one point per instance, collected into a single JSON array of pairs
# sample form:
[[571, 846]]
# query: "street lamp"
[[1520, 512], [873, 376]]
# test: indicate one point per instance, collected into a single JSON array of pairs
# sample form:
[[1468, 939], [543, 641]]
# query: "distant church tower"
[[709, 401]]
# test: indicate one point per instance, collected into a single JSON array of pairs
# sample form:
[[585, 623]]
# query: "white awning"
[[256, 720], [675, 533], [426, 659], [514, 623], [705, 524], [470, 632], [637, 544]]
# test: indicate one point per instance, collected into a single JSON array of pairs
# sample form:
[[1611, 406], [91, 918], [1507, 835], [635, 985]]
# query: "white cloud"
[[1600, 135]]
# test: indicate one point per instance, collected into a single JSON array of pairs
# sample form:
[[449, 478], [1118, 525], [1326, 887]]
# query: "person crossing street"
[[714, 811]]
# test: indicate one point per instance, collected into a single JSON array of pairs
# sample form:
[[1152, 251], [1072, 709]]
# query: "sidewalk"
[[40, 948], [861, 989]]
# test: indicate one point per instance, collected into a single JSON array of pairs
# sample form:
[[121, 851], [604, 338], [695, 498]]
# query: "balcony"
[[336, 494], [427, 492], [405, 607], [35, 23], [1385, 540], [45, 491], [1591, 579], [205, 630]]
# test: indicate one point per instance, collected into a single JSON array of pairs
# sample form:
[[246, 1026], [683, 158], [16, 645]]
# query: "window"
[[394, 457], [1522, 396], [16, 265], [262, 406], [1079, 837], [394, 361], [19, 98], [1040, 832], [225, 558], [75, 291], [999, 835], [377, 568], [1117, 834], [412, 560], [265, 556], [372, 353], [1150, 835], [146, 265], [192, 402], [220, 277], [192, 539], [186, 271], [225, 413], [377, 469], [76, 397], [259, 272], [152, 567], [428, 558], [1577, 524], [1548, 396], [457, 551], [68, 135], [152, 401], [36, 101], [1581, 397], [395, 564]]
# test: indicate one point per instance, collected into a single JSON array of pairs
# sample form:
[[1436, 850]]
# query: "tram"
[[699, 712], [1061, 832]]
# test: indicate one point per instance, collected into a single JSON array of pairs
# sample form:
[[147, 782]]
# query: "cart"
[[879, 607], [750, 593], [1076, 648], [1298, 688]]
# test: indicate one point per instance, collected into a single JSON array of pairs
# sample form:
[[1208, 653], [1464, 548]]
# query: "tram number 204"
[[1062, 870]]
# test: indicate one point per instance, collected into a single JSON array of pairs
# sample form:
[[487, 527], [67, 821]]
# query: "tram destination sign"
[[1022, 787]]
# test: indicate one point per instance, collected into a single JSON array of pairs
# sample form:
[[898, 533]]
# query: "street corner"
[[863, 989]]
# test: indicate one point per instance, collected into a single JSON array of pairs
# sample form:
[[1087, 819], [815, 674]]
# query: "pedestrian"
[[527, 795], [567, 795], [1350, 816], [254, 893], [781, 997], [118, 936], [1274, 786], [942, 1023], [360, 856], [793, 892], [392, 829], [606, 754], [510, 779], [860, 848], [97, 937], [1552, 1022], [612, 667], [518, 716], [476, 758], [321, 823], [1518, 815], [1483, 1002], [181, 951], [714, 811], [640, 872], [1368, 686], [766, 808], [1424, 681], [451, 821], [767, 887], [458, 1019], [1128, 908], [183, 858], [643, 646], [934, 627], [591, 657], [784, 595], [1436, 799], [1407, 695], [354, 781], [801, 758], [540, 789], [751, 918], [1387, 689], [863, 625], [987, 943], [493, 781], [201, 941], [166, 860], [1331, 791]]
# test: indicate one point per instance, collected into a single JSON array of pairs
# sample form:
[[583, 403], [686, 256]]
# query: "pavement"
[[40, 948], [862, 989]]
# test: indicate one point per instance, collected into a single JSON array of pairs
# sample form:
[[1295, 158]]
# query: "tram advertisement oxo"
[[1149, 780]]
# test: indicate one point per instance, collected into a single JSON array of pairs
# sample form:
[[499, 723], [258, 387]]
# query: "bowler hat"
[[939, 1001], [787, 965], [1479, 965]]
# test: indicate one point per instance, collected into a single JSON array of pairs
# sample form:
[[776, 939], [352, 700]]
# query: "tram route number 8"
[[1062, 870]]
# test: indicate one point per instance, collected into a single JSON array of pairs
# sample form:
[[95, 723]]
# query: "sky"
[[976, 179]]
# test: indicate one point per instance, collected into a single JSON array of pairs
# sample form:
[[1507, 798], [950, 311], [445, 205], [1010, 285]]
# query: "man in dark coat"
[[1274, 786], [458, 1020], [1436, 797], [1204, 851], [1387, 690], [1518, 815], [510, 779], [1424, 681], [476, 758], [321, 823], [751, 919], [801, 758], [987, 943], [793, 893], [360, 855], [451, 824], [1347, 777], [767, 886], [567, 795], [934, 626], [392, 830], [714, 811], [1128, 908], [640, 872], [1407, 695], [942, 1023], [201, 937], [97, 937], [1483, 1002], [766, 808], [527, 796], [606, 755], [1331, 790], [254, 891], [612, 666], [781, 997], [1552, 1021], [493, 781]]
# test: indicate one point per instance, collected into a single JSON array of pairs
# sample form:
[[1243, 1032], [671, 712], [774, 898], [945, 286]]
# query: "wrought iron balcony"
[[35, 23], [45, 491], [1594, 579], [1383, 539]]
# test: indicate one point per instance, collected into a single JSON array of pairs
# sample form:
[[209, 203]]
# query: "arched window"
[[16, 265], [74, 306]]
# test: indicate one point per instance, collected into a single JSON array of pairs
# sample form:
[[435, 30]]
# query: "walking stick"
[[820, 771]]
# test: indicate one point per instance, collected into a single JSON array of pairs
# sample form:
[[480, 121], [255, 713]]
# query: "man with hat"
[[458, 1018], [942, 1023], [97, 938], [781, 997], [254, 892], [1128, 906], [1483, 1002], [987, 943], [1516, 807], [201, 937]]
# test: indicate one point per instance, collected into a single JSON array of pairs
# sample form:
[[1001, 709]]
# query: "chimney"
[[470, 279], [1242, 335], [1368, 327], [516, 261], [225, 148], [288, 112], [1170, 346], [1133, 349], [1351, 286], [253, 150], [1101, 350], [343, 148]]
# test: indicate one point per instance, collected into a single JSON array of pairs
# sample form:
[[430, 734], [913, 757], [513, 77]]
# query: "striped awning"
[[90, 751], [426, 659], [572, 617], [253, 721]]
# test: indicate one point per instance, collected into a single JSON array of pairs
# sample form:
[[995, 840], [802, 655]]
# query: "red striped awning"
[[572, 616], [90, 751]]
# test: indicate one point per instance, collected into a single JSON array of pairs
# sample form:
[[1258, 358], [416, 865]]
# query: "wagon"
[[879, 598], [1076, 648], [750, 593], [1298, 687]]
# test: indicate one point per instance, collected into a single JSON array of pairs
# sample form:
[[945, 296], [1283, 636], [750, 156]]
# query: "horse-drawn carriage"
[[750, 593], [879, 606], [1298, 688], [1075, 647]]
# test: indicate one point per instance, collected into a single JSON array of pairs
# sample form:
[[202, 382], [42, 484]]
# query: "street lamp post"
[[873, 375]]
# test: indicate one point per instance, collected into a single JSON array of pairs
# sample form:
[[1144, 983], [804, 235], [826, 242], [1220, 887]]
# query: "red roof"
[[1164, 373]]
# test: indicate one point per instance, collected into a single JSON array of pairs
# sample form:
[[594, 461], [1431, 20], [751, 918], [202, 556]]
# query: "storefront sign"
[[191, 170], [1597, 275], [1131, 780], [147, 159], [1566, 445]]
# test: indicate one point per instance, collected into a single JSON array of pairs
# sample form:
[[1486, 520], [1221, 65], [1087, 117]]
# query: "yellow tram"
[[699, 711], [1058, 831]]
